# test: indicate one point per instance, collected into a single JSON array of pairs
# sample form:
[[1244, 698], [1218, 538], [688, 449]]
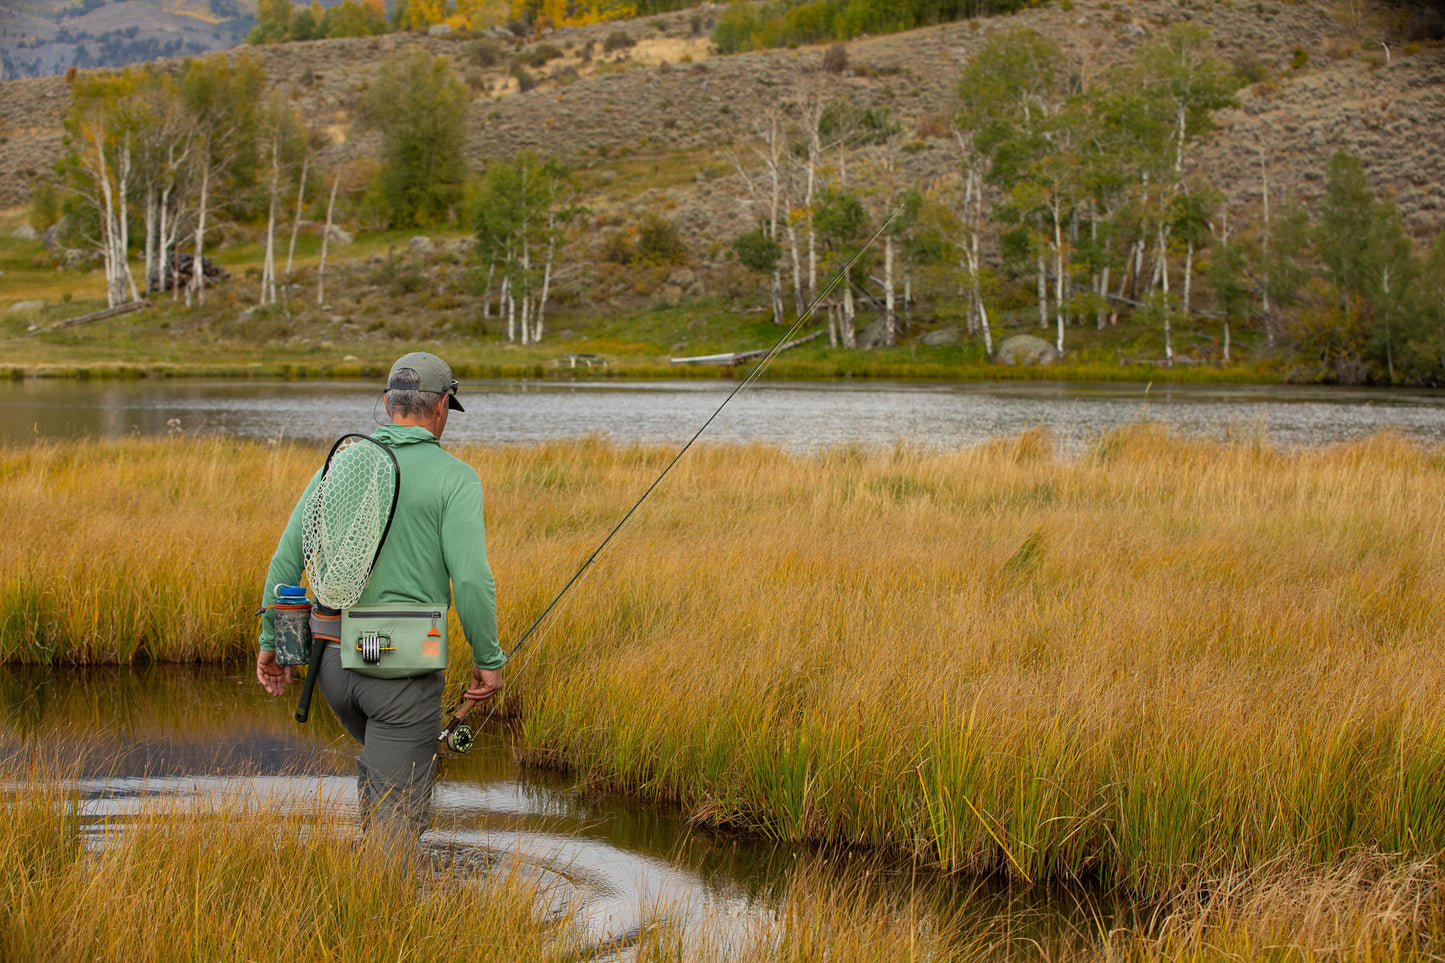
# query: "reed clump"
[[1161, 661], [228, 881]]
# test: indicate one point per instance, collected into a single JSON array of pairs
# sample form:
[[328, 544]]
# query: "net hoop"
[[347, 517]]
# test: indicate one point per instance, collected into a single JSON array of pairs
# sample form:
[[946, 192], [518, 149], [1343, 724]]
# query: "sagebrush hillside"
[[649, 101]]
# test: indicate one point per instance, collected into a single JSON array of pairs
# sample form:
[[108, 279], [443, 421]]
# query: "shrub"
[[1301, 58], [1249, 68], [484, 53], [618, 40], [835, 59], [525, 79], [617, 248], [658, 242], [756, 251], [654, 241], [542, 53]]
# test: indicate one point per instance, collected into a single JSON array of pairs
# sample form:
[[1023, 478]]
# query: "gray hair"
[[408, 402]]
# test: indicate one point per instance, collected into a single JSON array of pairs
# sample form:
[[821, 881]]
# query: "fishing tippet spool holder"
[[458, 737], [371, 645]]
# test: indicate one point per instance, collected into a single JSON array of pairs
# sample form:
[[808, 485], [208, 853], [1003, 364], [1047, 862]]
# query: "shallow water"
[[797, 416], [182, 736]]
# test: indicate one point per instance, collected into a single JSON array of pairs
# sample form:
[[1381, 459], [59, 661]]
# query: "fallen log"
[[90, 318], [733, 358]]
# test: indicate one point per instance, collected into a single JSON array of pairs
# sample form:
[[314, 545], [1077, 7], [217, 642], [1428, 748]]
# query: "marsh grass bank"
[[228, 879], [1159, 662], [231, 882]]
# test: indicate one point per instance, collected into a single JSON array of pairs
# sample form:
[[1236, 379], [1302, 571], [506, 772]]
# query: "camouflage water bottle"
[[292, 612]]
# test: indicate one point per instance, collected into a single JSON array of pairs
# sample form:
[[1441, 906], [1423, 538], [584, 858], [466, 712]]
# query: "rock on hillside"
[[649, 101]]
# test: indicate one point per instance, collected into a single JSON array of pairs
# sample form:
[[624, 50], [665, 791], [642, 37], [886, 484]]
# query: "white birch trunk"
[[1103, 299], [1264, 248], [1188, 277], [799, 305], [1043, 293], [326, 241], [546, 284], [506, 299], [198, 273], [296, 218], [1163, 273], [163, 265], [123, 170], [1138, 269], [268, 265], [150, 229], [890, 317], [101, 175], [487, 289], [983, 323], [1060, 313]]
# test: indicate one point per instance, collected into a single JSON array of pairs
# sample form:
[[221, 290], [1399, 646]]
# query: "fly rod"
[[459, 737]]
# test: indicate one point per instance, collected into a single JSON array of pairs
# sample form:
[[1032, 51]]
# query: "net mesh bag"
[[345, 520]]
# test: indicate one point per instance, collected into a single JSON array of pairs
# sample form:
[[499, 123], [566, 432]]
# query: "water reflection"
[[200, 735], [802, 417]]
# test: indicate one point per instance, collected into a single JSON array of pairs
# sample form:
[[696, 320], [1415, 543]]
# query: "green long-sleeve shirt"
[[436, 549]]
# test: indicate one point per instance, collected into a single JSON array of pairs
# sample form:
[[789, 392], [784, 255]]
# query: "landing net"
[[347, 517]]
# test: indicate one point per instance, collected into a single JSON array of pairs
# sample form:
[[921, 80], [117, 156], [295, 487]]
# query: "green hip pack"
[[393, 640]]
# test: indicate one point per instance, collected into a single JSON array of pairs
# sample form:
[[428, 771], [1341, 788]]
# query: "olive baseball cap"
[[433, 374]]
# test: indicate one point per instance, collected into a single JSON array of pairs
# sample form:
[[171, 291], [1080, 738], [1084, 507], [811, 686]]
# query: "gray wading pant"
[[396, 722]]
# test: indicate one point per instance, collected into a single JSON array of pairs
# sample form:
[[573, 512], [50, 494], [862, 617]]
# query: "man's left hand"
[[273, 677]]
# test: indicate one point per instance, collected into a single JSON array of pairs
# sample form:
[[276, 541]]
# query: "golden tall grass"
[[232, 882], [1161, 661], [229, 880]]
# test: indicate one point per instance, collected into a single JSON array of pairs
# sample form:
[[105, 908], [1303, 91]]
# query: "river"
[[798, 416], [178, 736]]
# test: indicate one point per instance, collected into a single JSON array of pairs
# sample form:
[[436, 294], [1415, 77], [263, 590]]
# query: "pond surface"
[[798, 416], [176, 735]]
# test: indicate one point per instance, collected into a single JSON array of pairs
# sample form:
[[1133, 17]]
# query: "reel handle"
[[313, 669], [456, 719]]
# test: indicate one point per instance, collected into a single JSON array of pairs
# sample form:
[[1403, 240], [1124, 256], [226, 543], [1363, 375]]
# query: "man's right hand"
[[273, 677], [485, 684]]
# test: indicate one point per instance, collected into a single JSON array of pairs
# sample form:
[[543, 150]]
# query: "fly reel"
[[457, 735], [460, 739]]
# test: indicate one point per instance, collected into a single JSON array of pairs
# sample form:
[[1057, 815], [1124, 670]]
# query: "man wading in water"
[[435, 550]]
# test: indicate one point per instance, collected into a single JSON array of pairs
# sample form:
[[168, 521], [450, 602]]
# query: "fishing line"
[[844, 272], [752, 376]]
